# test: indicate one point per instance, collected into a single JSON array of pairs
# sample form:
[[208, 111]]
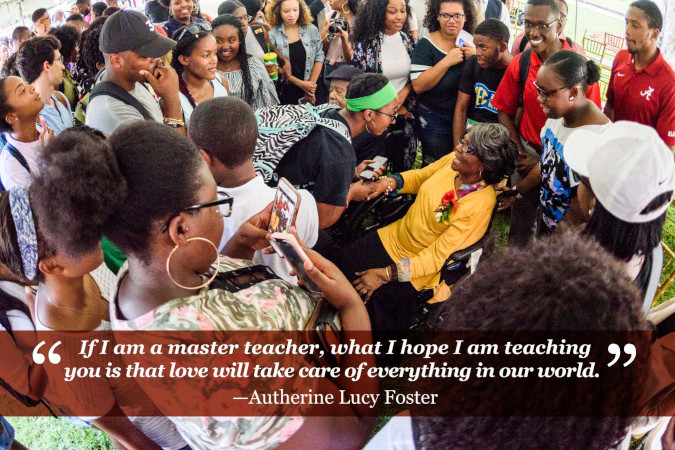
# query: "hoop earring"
[[343, 8], [168, 260], [368, 129]]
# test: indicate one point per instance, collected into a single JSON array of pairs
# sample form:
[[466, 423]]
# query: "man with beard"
[[642, 85], [131, 48]]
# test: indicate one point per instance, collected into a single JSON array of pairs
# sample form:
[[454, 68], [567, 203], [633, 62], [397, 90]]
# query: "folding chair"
[[595, 50]]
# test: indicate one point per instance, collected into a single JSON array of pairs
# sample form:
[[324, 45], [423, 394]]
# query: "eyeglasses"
[[392, 116], [245, 18], [546, 94], [464, 148], [539, 27], [458, 17], [194, 28], [224, 203]]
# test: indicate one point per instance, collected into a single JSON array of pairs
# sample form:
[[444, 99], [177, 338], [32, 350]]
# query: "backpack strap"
[[17, 155], [117, 92], [524, 69], [523, 43], [259, 33]]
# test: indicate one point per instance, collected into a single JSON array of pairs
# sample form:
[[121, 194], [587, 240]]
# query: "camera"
[[338, 24]]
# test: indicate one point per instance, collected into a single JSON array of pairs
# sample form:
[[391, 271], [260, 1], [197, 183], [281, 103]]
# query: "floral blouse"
[[367, 55], [268, 305]]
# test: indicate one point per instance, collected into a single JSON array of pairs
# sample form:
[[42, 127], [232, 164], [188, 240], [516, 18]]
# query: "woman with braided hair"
[[195, 62], [247, 77]]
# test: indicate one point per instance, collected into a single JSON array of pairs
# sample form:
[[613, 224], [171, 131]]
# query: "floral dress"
[[268, 305]]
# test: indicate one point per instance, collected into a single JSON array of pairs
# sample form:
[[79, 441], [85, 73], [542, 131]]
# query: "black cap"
[[131, 30], [345, 73]]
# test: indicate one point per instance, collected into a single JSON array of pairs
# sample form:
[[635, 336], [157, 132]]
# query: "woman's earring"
[[368, 129], [215, 273], [571, 98], [343, 8]]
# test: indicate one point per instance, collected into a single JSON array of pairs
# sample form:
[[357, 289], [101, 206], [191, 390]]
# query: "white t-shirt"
[[12, 173], [106, 113], [395, 60], [253, 47], [253, 197]]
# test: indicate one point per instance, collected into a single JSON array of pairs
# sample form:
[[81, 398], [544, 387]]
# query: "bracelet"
[[386, 270], [174, 123], [393, 270], [390, 188]]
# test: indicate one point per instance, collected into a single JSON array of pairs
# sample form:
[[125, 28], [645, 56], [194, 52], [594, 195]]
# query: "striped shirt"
[[264, 92]]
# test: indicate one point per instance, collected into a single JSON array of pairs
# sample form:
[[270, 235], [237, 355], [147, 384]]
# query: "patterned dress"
[[268, 305], [264, 92]]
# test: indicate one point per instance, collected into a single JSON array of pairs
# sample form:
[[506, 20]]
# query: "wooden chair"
[[595, 50]]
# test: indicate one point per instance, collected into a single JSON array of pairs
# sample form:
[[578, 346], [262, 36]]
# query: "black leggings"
[[393, 305]]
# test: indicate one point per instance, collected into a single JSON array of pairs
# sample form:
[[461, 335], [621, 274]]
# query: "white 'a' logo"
[[647, 93]]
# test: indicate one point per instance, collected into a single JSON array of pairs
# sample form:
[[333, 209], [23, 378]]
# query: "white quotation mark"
[[39, 358], [615, 350]]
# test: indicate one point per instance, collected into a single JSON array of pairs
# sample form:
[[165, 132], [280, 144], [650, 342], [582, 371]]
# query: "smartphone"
[[369, 173], [286, 201], [290, 249]]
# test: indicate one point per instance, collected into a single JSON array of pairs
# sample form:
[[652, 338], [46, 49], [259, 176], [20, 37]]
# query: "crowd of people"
[[137, 148]]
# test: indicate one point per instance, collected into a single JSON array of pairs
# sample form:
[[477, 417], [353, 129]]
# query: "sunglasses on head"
[[194, 28]]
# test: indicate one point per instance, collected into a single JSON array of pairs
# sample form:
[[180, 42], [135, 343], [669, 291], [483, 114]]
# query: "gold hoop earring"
[[168, 260], [343, 8]]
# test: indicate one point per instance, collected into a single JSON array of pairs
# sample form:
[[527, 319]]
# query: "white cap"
[[628, 166]]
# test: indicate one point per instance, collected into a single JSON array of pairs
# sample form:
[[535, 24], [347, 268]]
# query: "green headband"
[[373, 101]]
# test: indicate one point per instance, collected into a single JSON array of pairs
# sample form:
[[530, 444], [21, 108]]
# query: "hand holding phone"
[[377, 164], [286, 202], [290, 249]]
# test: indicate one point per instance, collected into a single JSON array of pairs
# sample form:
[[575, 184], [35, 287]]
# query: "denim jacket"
[[311, 40]]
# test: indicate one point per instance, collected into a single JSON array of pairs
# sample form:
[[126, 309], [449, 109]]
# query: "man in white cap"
[[131, 48], [630, 172]]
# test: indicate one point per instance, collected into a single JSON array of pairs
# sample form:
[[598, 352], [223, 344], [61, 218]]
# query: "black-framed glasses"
[[540, 26], [464, 147], [194, 28], [224, 203], [458, 17], [392, 116], [546, 94]]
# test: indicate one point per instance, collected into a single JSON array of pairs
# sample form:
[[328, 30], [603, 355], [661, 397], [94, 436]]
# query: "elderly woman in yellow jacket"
[[455, 200]]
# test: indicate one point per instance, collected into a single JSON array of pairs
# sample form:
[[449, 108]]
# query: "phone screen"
[[296, 262], [283, 210]]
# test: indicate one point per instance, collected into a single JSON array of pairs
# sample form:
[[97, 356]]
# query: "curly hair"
[[563, 283], [434, 7], [69, 37], [90, 54], [9, 69], [33, 53], [84, 205], [184, 47], [229, 19], [273, 13], [371, 19], [132, 225]]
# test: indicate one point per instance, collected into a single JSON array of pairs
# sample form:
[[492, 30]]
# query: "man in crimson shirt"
[[642, 85], [542, 28]]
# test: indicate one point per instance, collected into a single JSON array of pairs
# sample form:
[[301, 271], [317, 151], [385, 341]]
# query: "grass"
[[57, 434]]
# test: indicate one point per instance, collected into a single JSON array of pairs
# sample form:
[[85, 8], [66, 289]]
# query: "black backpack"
[[115, 91], [19, 157]]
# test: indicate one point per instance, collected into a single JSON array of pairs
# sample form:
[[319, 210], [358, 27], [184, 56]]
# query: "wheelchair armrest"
[[465, 253]]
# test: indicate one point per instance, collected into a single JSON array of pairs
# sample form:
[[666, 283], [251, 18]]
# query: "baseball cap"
[[130, 30], [344, 72], [628, 166]]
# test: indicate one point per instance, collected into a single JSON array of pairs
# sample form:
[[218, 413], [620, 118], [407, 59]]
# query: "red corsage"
[[448, 202]]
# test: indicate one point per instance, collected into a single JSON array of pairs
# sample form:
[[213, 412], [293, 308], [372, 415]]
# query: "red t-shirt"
[[646, 97], [506, 97]]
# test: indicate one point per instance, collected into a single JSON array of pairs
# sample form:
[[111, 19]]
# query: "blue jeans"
[[7, 436], [434, 131]]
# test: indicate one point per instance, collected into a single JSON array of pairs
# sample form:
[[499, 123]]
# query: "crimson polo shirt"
[[506, 97], [647, 96]]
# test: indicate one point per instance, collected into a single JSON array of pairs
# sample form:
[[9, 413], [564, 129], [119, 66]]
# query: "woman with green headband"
[[325, 161], [455, 200]]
